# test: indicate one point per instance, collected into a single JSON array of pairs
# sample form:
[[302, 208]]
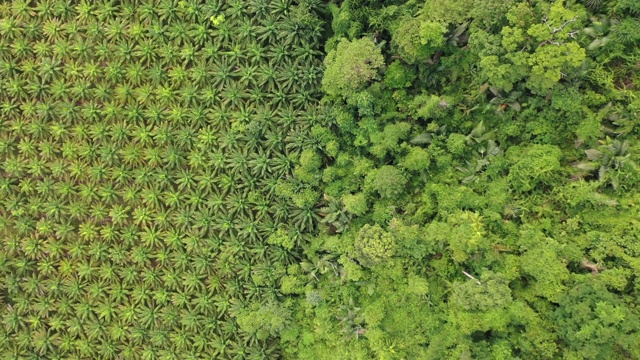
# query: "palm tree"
[[215, 199], [260, 162], [266, 76], [227, 182], [246, 30], [237, 203], [183, 218], [198, 33], [177, 114], [283, 164], [233, 94], [237, 162], [305, 218], [203, 220], [297, 139], [178, 75], [612, 159], [179, 33], [248, 228], [173, 157], [288, 76], [170, 278], [52, 30], [280, 54], [148, 315], [146, 51], [167, 11], [223, 223], [222, 72]]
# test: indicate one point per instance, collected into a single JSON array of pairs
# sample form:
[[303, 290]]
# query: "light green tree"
[[533, 165], [541, 53], [355, 203]]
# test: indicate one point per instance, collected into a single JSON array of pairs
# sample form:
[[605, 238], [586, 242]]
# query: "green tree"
[[387, 140], [355, 203], [417, 159], [264, 320], [351, 66], [541, 53], [398, 76], [373, 245], [595, 324], [417, 38], [490, 292], [388, 181], [533, 165], [308, 169]]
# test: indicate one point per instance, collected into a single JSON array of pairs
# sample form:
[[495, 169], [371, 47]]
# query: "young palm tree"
[[246, 30], [115, 30], [227, 182], [167, 11], [222, 73], [136, 72], [237, 161], [178, 75], [179, 33], [52, 29], [20, 49], [146, 51]]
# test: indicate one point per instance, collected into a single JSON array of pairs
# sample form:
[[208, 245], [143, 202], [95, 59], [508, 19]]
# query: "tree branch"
[[471, 277], [563, 25]]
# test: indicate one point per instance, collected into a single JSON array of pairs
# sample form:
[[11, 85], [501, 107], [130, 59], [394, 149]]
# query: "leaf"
[[595, 44], [460, 29], [593, 154], [478, 131], [590, 31], [602, 173], [515, 106], [492, 148], [624, 148], [422, 139], [586, 166], [605, 199]]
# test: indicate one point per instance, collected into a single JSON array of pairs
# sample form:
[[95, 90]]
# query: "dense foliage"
[[481, 184], [357, 179]]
